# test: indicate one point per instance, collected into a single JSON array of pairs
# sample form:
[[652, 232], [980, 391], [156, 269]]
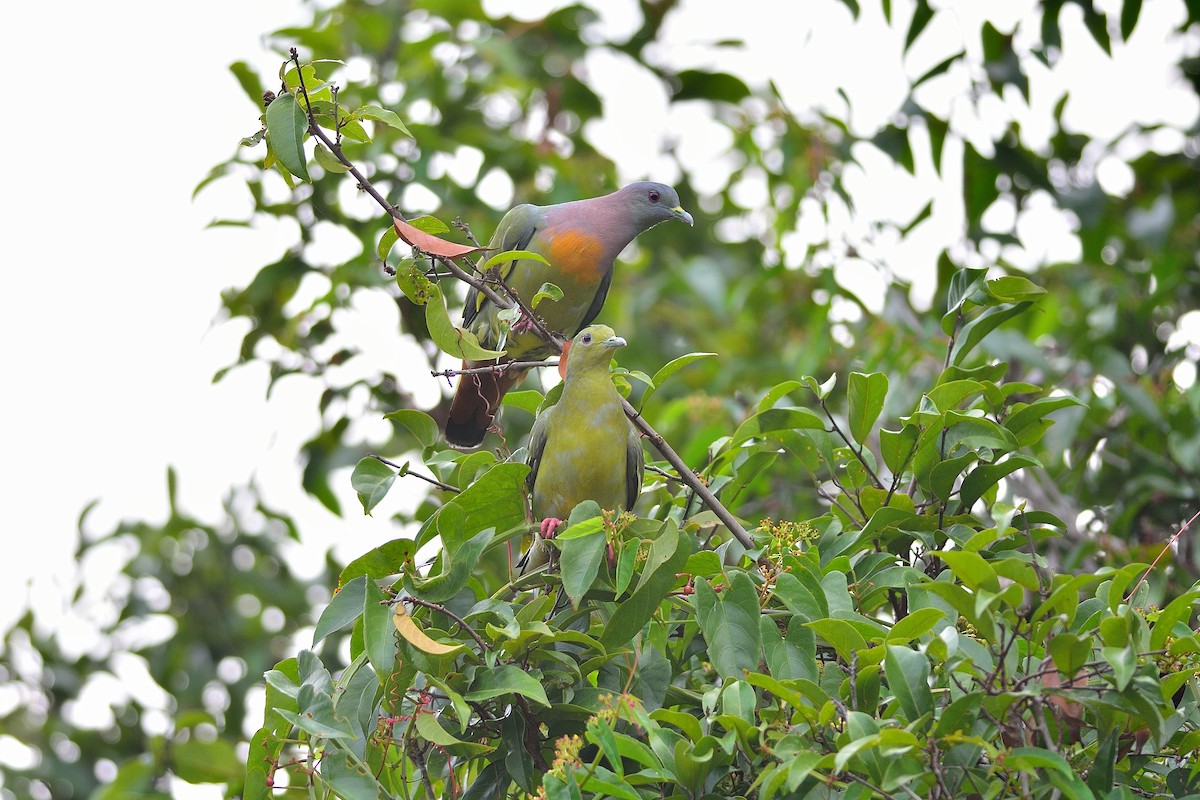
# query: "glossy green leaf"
[[458, 342], [418, 423], [389, 118], [505, 680], [729, 622], [583, 550], [668, 553], [985, 476], [286, 126], [372, 479], [867, 393], [328, 161], [345, 607], [669, 369], [548, 291]]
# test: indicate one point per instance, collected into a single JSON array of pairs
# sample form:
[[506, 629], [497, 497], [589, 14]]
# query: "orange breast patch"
[[576, 254]]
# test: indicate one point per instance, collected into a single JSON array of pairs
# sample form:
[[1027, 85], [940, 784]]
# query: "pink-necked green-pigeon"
[[583, 447], [580, 239]]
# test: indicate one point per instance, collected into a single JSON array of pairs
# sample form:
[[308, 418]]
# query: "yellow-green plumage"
[[584, 447]]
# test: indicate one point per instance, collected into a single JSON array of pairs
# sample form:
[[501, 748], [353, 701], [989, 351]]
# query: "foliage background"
[[1106, 332]]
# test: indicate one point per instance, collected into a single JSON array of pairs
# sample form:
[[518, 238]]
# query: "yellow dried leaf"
[[417, 637]]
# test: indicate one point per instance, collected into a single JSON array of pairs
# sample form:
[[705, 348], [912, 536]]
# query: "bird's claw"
[[523, 324], [548, 527]]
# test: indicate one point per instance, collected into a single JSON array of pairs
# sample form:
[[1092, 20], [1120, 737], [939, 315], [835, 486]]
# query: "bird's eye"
[[653, 196], [586, 338]]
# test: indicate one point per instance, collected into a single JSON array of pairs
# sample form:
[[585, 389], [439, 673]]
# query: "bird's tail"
[[475, 405]]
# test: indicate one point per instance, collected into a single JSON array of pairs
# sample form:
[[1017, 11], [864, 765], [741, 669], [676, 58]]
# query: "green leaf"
[[729, 622], [386, 242], [1178, 610], [458, 342], [963, 284], [503, 680], [387, 559], [388, 118], [513, 255], [247, 78], [1102, 774], [908, 677], [867, 393], [776, 419], [197, 761], [379, 635], [921, 16], [526, 400], [1123, 661], [974, 331], [938, 69], [841, 635], [547, 291], [583, 547], [971, 569], [985, 476], [777, 392], [372, 479], [821, 390], [898, 447], [416, 287], [418, 423], [427, 223], [495, 500], [286, 124], [328, 161], [915, 625], [456, 569], [1097, 24], [1130, 11], [1013, 289], [1034, 759], [668, 553], [345, 607], [1022, 418], [1069, 653], [349, 778], [694, 84], [669, 369], [601, 733]]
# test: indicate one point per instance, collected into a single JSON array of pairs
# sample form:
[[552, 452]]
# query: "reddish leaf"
[[428, 243]]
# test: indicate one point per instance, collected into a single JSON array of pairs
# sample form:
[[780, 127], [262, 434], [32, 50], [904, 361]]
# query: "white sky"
[[112, 280]]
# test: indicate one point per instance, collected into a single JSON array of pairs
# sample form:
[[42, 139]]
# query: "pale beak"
[[614, 342], [683, 215]]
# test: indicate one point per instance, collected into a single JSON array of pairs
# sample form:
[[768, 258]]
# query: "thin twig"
[[426, 478], [857, 453], [442, 609], [493, 368], [1168, 546], [688, 477]]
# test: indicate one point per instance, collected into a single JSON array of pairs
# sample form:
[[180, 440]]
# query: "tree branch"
[[442, 609], [660, 444], [503, 367], [426, 478]]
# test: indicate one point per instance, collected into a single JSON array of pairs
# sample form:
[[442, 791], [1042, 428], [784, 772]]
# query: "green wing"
[[514, 232], [635, 465], [536, 447]]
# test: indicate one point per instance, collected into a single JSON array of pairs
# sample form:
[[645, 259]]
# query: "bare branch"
[[426, 478]]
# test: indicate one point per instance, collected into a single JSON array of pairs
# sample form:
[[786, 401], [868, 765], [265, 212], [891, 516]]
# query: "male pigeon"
[[580, 239]]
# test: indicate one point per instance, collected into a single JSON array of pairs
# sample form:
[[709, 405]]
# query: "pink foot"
[[548, 526], [523, 324]]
